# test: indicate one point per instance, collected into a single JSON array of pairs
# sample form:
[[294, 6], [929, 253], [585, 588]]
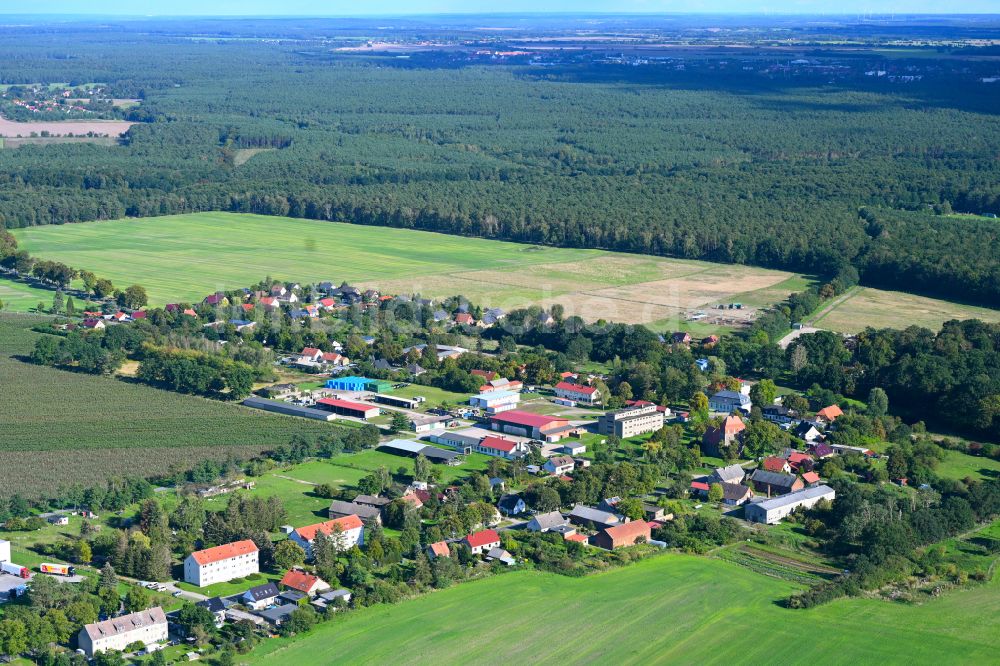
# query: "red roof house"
[[482, 541], [776, 464], [438, 549], [830, 414], [811, 478], [296, 579]]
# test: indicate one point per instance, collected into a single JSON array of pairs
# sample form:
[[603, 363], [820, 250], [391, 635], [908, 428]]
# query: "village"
[[527, 442]]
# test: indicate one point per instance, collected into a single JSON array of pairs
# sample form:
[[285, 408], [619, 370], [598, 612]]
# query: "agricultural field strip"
[[691, 601]]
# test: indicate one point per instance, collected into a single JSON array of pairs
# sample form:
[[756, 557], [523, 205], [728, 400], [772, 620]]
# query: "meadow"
[[671, 608], [878, 308], [61, 427], [19, 297], [186, 257]]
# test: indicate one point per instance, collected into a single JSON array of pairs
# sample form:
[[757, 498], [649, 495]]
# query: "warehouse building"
[[495, 402], [359, 384], [526, 424], [357, 410], [772, 511], [288, 409]]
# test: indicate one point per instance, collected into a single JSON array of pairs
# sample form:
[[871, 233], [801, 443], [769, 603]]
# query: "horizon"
[[398, 8]]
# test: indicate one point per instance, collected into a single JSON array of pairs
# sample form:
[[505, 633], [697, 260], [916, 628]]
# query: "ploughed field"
[[669, 609], [58, 428]]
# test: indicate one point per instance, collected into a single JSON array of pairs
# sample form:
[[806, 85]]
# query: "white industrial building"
[[147, 627], [772, 511], [4, 551], [222, 563], [495, 402]]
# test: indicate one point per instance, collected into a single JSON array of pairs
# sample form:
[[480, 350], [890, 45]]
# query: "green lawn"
[[230, 588], [295, 485], [670, 609], [434, 395], [22, 298], [958, 465]]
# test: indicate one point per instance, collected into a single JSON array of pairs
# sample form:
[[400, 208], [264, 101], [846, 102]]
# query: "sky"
[[404, 7]]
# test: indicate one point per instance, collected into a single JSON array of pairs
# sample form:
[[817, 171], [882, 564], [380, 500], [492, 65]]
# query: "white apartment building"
[[222, 563], [148, 626]]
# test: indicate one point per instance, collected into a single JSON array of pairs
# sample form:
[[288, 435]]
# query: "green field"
[[185, 257], [670, 609], [59, 427], [20, 297], [958, 465]]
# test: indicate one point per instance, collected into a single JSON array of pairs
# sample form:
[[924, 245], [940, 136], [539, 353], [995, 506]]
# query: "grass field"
[[18, 297], [958, 465], [670, 609], [185, 257], [893, 309], [59, 427]]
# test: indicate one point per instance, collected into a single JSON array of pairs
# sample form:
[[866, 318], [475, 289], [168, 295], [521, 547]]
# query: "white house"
[[148, 626], [559, 465], [222, 563], [352, 533]]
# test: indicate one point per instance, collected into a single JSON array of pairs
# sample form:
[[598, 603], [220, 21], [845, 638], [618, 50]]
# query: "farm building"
[[620, 536], [222, 563], [631, 421], [587, 516], [544, 522], [427, 422], [367, 514], [348, 408], [774, 483], [359, 384], [495, 402], [288, 409], [410, 448], [147, 627], [395, 401], [728, 474], [527, 424], [772, 511]]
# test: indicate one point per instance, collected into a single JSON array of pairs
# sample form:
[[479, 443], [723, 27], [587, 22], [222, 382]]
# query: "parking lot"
[[8, 583]]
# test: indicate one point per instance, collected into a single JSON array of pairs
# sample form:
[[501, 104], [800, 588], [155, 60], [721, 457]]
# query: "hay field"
[[892, 309], [186, 257]]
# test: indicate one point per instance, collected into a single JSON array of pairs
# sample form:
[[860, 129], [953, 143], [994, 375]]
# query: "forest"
[[711, 162]]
